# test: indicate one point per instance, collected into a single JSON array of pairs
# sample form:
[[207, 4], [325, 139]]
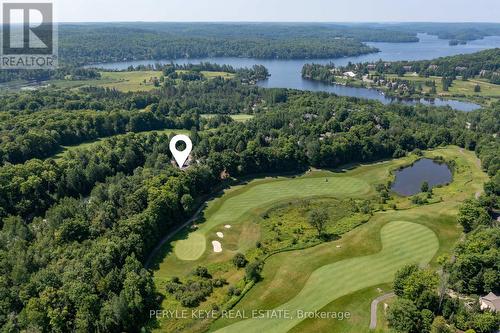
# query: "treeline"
[[244, 75], [75, 232], [84, 44], [194, 67]]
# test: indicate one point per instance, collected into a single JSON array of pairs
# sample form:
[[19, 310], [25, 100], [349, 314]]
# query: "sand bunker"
[[217, 246], [220, 235], [227, 226]]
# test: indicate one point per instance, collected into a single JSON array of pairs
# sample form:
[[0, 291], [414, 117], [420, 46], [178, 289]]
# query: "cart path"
[[373, 316]]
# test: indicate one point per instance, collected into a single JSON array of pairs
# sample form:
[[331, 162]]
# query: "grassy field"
[[123, 81], [459, 89], [415, 233], [86, 145], [236, 117], [130, 81], [134, 81], [287, 225], [357, 304], [210, 75], [282, 282]]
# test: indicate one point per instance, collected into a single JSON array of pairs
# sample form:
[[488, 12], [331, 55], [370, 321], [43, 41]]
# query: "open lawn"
[[134, 81], [210, 75], [129, 81], [356, 304], [122, 81], [236, 117]]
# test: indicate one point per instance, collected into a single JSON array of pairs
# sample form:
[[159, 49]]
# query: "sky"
[[278, 10]]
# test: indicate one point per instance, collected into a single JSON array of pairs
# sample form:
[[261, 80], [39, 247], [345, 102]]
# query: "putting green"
[[403, 243], [232, 208], [191, 248]]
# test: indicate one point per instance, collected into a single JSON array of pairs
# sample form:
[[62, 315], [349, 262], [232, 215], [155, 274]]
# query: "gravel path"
[[373, 309]]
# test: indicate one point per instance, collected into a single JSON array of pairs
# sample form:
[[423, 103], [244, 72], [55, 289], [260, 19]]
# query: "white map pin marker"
[[181, 156]]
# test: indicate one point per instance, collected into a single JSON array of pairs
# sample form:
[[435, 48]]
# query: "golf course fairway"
[[402, 243], [232, 208]]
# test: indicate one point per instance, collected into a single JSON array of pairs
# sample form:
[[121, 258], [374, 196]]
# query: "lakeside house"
[[350, 74], [484, 72], [490, 301]]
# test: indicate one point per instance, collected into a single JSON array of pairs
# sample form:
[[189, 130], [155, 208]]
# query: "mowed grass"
[[129, 81], [402, 243], [252, 198], [192, 247], [211, 75], [236, 117], [356, 304]]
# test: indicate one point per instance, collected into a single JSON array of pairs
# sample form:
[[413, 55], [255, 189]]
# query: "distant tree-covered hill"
[[82, 44]]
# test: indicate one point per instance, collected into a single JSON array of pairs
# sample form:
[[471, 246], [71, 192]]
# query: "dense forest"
[[37, 124], [76, 231], [84, 43]]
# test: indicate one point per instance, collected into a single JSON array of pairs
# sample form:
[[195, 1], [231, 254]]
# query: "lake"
[[287, 73], [409, 180]]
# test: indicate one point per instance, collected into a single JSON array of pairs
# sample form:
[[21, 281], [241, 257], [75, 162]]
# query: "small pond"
[[409, 180]]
